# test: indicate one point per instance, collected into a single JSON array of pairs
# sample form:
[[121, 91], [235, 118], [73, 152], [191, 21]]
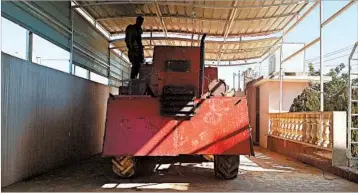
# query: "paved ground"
[[267, 171]]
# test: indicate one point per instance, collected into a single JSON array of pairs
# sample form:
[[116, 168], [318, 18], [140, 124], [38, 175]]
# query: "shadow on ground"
[[265, 172]]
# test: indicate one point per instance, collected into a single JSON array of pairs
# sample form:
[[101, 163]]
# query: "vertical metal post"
[[29, 45], [233, 79], [350, 102], [109, 60], [321, 55], [239, 78], [122, 78], [304, 58], [349, 152], [281, 77], [260, 69], [72, 37], [321, 66]]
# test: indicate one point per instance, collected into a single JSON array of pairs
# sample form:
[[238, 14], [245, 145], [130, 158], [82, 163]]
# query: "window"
[[13, 39], [48, 54], [98, 78], [80, 72]]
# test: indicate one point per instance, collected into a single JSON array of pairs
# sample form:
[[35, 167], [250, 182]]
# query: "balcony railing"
[[304, 127]]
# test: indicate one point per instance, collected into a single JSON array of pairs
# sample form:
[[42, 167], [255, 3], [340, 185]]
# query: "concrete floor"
[[267, 171]]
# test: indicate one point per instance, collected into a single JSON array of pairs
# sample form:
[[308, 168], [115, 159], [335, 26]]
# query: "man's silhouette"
[[134, 44]]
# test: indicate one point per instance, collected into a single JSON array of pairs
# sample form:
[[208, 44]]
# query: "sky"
[[340, 33]]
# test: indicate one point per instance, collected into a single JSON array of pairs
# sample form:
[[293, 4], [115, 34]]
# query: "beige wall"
[[269, 102]]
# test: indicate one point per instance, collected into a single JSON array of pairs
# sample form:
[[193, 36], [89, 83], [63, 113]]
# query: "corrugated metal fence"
[[49, 118]]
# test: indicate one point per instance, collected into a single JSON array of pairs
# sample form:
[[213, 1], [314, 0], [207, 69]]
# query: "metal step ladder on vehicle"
[[352, 101]]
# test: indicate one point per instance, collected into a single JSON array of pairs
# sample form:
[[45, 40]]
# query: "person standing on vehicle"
[[133, 41]]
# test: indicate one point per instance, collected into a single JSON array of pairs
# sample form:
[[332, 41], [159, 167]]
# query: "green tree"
[[335, 97]]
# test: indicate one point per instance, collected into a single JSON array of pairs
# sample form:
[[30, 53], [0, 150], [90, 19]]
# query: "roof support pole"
[[339, 12], [160, 17], [292, 27], [239, 81], [320, 128], [197, 18], [72, 37], [109, 60], [197, 5], [233, 80], [321, 56], [228, 29], [281, 78], [29, 45], [302, 49]]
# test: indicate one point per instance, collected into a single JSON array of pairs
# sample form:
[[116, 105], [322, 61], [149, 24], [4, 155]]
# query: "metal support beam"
[[43, 14], [29, 45], [339, 12], [233, 80], [196, 5], [292, 16], [228, 28], [302, 49], [291, 27], [72, 37], [264, 15], [196, 18], [208, 50], [323, 24], [192, 39], [122, 78], [74, 69], [160, 17], [350, 101], [232, 64], [215, 35], [207, 41], [109, 61], [281, 78], [321, 56], [302, 17], [239, 80]]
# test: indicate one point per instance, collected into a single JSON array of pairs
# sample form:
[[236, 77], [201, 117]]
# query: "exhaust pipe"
[[202, 64]]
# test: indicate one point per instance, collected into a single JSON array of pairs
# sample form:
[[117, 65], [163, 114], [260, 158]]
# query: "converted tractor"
[[183, 114]]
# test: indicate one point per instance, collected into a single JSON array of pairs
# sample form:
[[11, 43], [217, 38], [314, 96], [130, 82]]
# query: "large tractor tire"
[[125, 166], [226, 166]]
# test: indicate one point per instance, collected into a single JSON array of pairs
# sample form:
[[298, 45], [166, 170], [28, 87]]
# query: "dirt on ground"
[[267, 171]]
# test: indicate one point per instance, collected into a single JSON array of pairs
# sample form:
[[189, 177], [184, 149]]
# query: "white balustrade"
[[303, 127]]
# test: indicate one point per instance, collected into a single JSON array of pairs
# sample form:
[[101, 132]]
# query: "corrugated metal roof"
[[222, 19]]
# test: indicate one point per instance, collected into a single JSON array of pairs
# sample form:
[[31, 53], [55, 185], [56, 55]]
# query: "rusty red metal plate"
[[134, 127], [160, 77]]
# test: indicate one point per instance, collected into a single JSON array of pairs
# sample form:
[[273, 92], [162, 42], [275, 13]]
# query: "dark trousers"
[[135, 69], [136, 59]]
